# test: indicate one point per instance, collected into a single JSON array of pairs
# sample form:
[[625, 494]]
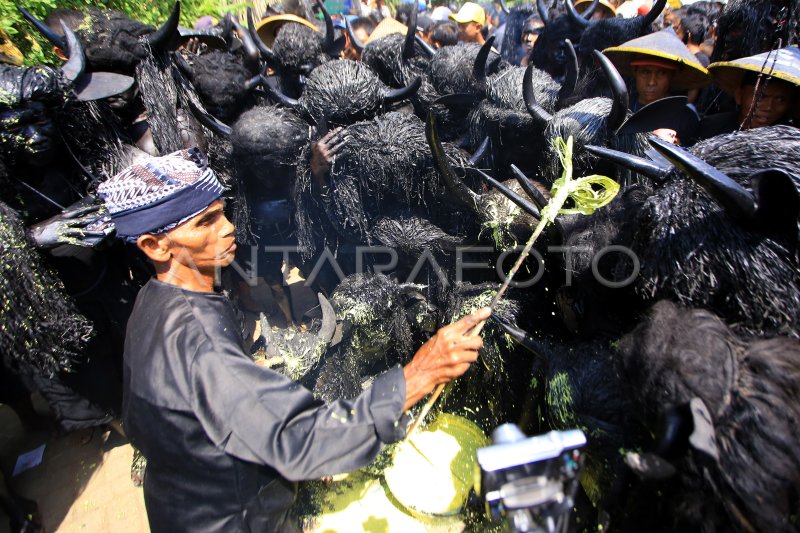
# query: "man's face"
[[652, 83], [771, 108], [468, 32], [204, 242], [350, 52], [28, 133], [530, 34]]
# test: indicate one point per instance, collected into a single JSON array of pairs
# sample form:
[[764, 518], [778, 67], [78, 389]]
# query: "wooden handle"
[[474, 332]]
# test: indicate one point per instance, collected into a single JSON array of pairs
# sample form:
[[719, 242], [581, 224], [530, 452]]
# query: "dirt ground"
[[78, 486]]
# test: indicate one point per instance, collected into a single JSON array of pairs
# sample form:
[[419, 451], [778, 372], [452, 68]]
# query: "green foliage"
[[38, 50]]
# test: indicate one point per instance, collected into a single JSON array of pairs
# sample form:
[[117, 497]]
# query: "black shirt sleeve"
[[260, 416]]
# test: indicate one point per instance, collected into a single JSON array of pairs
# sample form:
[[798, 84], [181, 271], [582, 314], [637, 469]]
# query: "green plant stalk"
[[586, 201]]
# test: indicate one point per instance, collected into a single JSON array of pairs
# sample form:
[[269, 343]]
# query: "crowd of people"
[[158, 182]]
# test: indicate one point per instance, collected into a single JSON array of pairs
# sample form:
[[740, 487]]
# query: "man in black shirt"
[[225, 438]]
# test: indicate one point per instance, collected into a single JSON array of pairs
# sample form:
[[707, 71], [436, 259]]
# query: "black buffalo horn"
[[56, 39], [544, 13], [327, 40], [734, 198], [73, 68], [535, 110], [266, 51], [457, 99], [619, 106], [533, 193], [576, 17], [481, 152], [456, 186], [653, 14], [183, 66], [589, 11], [209, 121], [524, 204], [355, 42], [643, 166], [411, 31], [479, 68], [278, 95], [167, 34], [252, 55], [571, 72], [395, 95], [504, 7], [328, 327], [519, 336], [428, 49]]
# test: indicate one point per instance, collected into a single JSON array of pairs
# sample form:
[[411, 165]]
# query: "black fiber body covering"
[[224, 437]]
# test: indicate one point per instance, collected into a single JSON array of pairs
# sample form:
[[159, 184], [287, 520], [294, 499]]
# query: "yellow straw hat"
[[268, 27], [665, 48], [783, 64], [386, 27]]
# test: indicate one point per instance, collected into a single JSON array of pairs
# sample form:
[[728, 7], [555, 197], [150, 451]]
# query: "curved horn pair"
[[619, 106], [581, 20]]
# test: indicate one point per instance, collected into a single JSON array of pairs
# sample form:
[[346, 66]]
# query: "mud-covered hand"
[[68, 227], [322, 154], [447, 355]]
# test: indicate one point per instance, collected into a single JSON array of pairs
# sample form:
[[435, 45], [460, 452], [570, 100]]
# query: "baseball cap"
[[470, 12]]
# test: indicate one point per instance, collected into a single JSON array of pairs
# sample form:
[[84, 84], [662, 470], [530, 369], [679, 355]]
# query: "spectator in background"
[[444, 33], [362, 27], [762, 100], [660, 64], [425, 27], [531, 29], [470, 19], [692, 31]]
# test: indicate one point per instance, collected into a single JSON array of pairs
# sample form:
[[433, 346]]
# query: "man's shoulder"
[[167, 311]]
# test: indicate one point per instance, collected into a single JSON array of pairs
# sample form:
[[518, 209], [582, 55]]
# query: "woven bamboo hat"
[[386, 27], [661, 48], [783, 64], [268, 27]]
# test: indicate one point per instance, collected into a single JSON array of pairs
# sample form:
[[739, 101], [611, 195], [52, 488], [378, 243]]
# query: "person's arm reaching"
[[260, 416]]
